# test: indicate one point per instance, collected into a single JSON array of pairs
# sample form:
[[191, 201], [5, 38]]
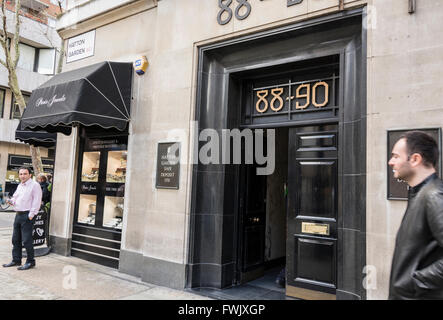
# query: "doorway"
[[262, 220], [225, 100], [287, 224]]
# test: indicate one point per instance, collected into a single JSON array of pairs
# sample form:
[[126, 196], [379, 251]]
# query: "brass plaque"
[[315, 228]]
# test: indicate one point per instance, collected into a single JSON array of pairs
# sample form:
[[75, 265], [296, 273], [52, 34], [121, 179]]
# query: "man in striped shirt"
[[26, 200]]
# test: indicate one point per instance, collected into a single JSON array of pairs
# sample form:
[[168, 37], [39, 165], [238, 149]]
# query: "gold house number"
[[303, 91]]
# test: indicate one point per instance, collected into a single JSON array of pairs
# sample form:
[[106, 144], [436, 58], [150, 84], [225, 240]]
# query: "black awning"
[[97, 95], [35, 138]]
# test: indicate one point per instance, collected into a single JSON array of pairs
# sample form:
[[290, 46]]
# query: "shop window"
[[102, 182], [113, 212], [87, 209], [2, 102], [15, 109], [116, 171], [91, 164]]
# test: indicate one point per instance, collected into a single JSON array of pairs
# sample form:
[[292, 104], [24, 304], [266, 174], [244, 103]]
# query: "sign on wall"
[[168, 165], [81, 46], [397, 189]]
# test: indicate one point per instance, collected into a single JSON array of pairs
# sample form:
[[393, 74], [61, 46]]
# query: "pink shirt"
[[28, 197]]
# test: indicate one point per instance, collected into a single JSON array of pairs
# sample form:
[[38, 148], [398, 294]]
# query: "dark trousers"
[[22, 233]]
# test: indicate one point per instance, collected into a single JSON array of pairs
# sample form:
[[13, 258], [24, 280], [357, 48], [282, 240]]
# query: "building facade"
[[336, 81], [38, 57]]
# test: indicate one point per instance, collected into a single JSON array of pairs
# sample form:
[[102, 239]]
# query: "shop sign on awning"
[[96, 95]]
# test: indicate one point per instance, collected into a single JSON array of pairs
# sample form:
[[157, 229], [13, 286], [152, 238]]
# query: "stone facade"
[[403, 91]]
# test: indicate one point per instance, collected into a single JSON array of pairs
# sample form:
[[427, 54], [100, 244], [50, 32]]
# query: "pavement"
[[56, 277]]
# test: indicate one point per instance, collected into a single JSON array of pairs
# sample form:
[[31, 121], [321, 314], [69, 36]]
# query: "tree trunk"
[[35, 151]]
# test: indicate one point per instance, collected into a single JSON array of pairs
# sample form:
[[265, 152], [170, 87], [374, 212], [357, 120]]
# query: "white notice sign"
[[81, 46]]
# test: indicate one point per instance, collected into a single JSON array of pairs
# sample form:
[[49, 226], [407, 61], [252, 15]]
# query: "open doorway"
[[262, 222]]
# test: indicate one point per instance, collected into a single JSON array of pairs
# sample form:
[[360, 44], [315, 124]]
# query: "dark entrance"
[[309, 78], [262, 218]]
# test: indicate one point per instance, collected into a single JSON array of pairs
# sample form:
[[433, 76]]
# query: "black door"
[[312, 212], [252, 224]]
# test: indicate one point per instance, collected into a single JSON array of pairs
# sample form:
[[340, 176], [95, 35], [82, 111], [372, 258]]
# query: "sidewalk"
[[57, 277]]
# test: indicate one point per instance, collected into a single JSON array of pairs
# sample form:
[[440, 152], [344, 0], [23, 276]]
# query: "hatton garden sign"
[[242, 9]]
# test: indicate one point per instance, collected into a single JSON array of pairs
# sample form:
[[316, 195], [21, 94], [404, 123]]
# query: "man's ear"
[[416, 159]]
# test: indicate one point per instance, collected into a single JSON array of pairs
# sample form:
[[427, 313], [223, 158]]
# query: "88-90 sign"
[[315, 94]]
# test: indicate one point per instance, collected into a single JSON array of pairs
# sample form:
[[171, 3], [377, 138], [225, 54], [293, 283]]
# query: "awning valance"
[[35, 138], [96, 95]]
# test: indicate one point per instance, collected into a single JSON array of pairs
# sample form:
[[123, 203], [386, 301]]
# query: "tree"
[[12, 54]]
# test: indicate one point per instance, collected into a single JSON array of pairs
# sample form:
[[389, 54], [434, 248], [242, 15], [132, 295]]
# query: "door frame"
[[212, 250]]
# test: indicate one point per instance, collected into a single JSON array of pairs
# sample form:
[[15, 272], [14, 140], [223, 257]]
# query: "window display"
[[113, 212], [116, 171], [102, 183], [87, 209], [91, 164]]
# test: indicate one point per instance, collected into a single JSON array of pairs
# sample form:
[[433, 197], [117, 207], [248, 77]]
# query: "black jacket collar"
[[414, 190]]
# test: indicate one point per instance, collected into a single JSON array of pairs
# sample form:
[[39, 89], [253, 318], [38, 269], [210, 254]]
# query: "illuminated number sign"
[[315, 94]]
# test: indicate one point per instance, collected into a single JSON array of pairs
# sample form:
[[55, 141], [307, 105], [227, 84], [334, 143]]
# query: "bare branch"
[[3, 63]]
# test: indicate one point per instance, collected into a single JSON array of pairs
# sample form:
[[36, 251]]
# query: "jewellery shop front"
[[94, 101]]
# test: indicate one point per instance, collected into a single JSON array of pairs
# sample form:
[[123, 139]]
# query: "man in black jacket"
[[417, 265]]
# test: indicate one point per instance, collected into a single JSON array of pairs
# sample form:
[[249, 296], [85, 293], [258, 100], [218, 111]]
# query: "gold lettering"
[[262, 94], [277, 96], [314, 98], [307, 95]]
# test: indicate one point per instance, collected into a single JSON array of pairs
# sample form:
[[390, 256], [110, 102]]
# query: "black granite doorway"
[[213, 245]]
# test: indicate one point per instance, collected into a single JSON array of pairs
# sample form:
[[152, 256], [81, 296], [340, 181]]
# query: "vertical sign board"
[[168, 166], [398, 190], [81, 46], [39, 229]]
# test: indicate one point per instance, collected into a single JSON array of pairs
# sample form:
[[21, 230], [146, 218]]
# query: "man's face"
[[24, 175], [400, 161]]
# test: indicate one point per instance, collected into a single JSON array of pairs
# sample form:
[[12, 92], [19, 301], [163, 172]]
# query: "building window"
[[36, 59], [46, 61], [27, 57], [2, 102], [15, 109]]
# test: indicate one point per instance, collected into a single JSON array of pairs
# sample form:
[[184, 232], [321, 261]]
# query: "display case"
[[91, 165], [87, 209], [116, 168], [113, 212], [102, 179]]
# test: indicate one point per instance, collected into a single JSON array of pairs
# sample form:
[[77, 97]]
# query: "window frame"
[[2, 111], [13, 104]]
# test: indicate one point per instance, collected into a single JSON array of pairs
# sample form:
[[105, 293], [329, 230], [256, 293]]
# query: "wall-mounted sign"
[[15, 162], [114, 143], [168, 165], [81, 46], [397, 189]]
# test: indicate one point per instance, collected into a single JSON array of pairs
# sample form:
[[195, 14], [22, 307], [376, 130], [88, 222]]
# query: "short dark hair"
[[423, 144], [25, 168]]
